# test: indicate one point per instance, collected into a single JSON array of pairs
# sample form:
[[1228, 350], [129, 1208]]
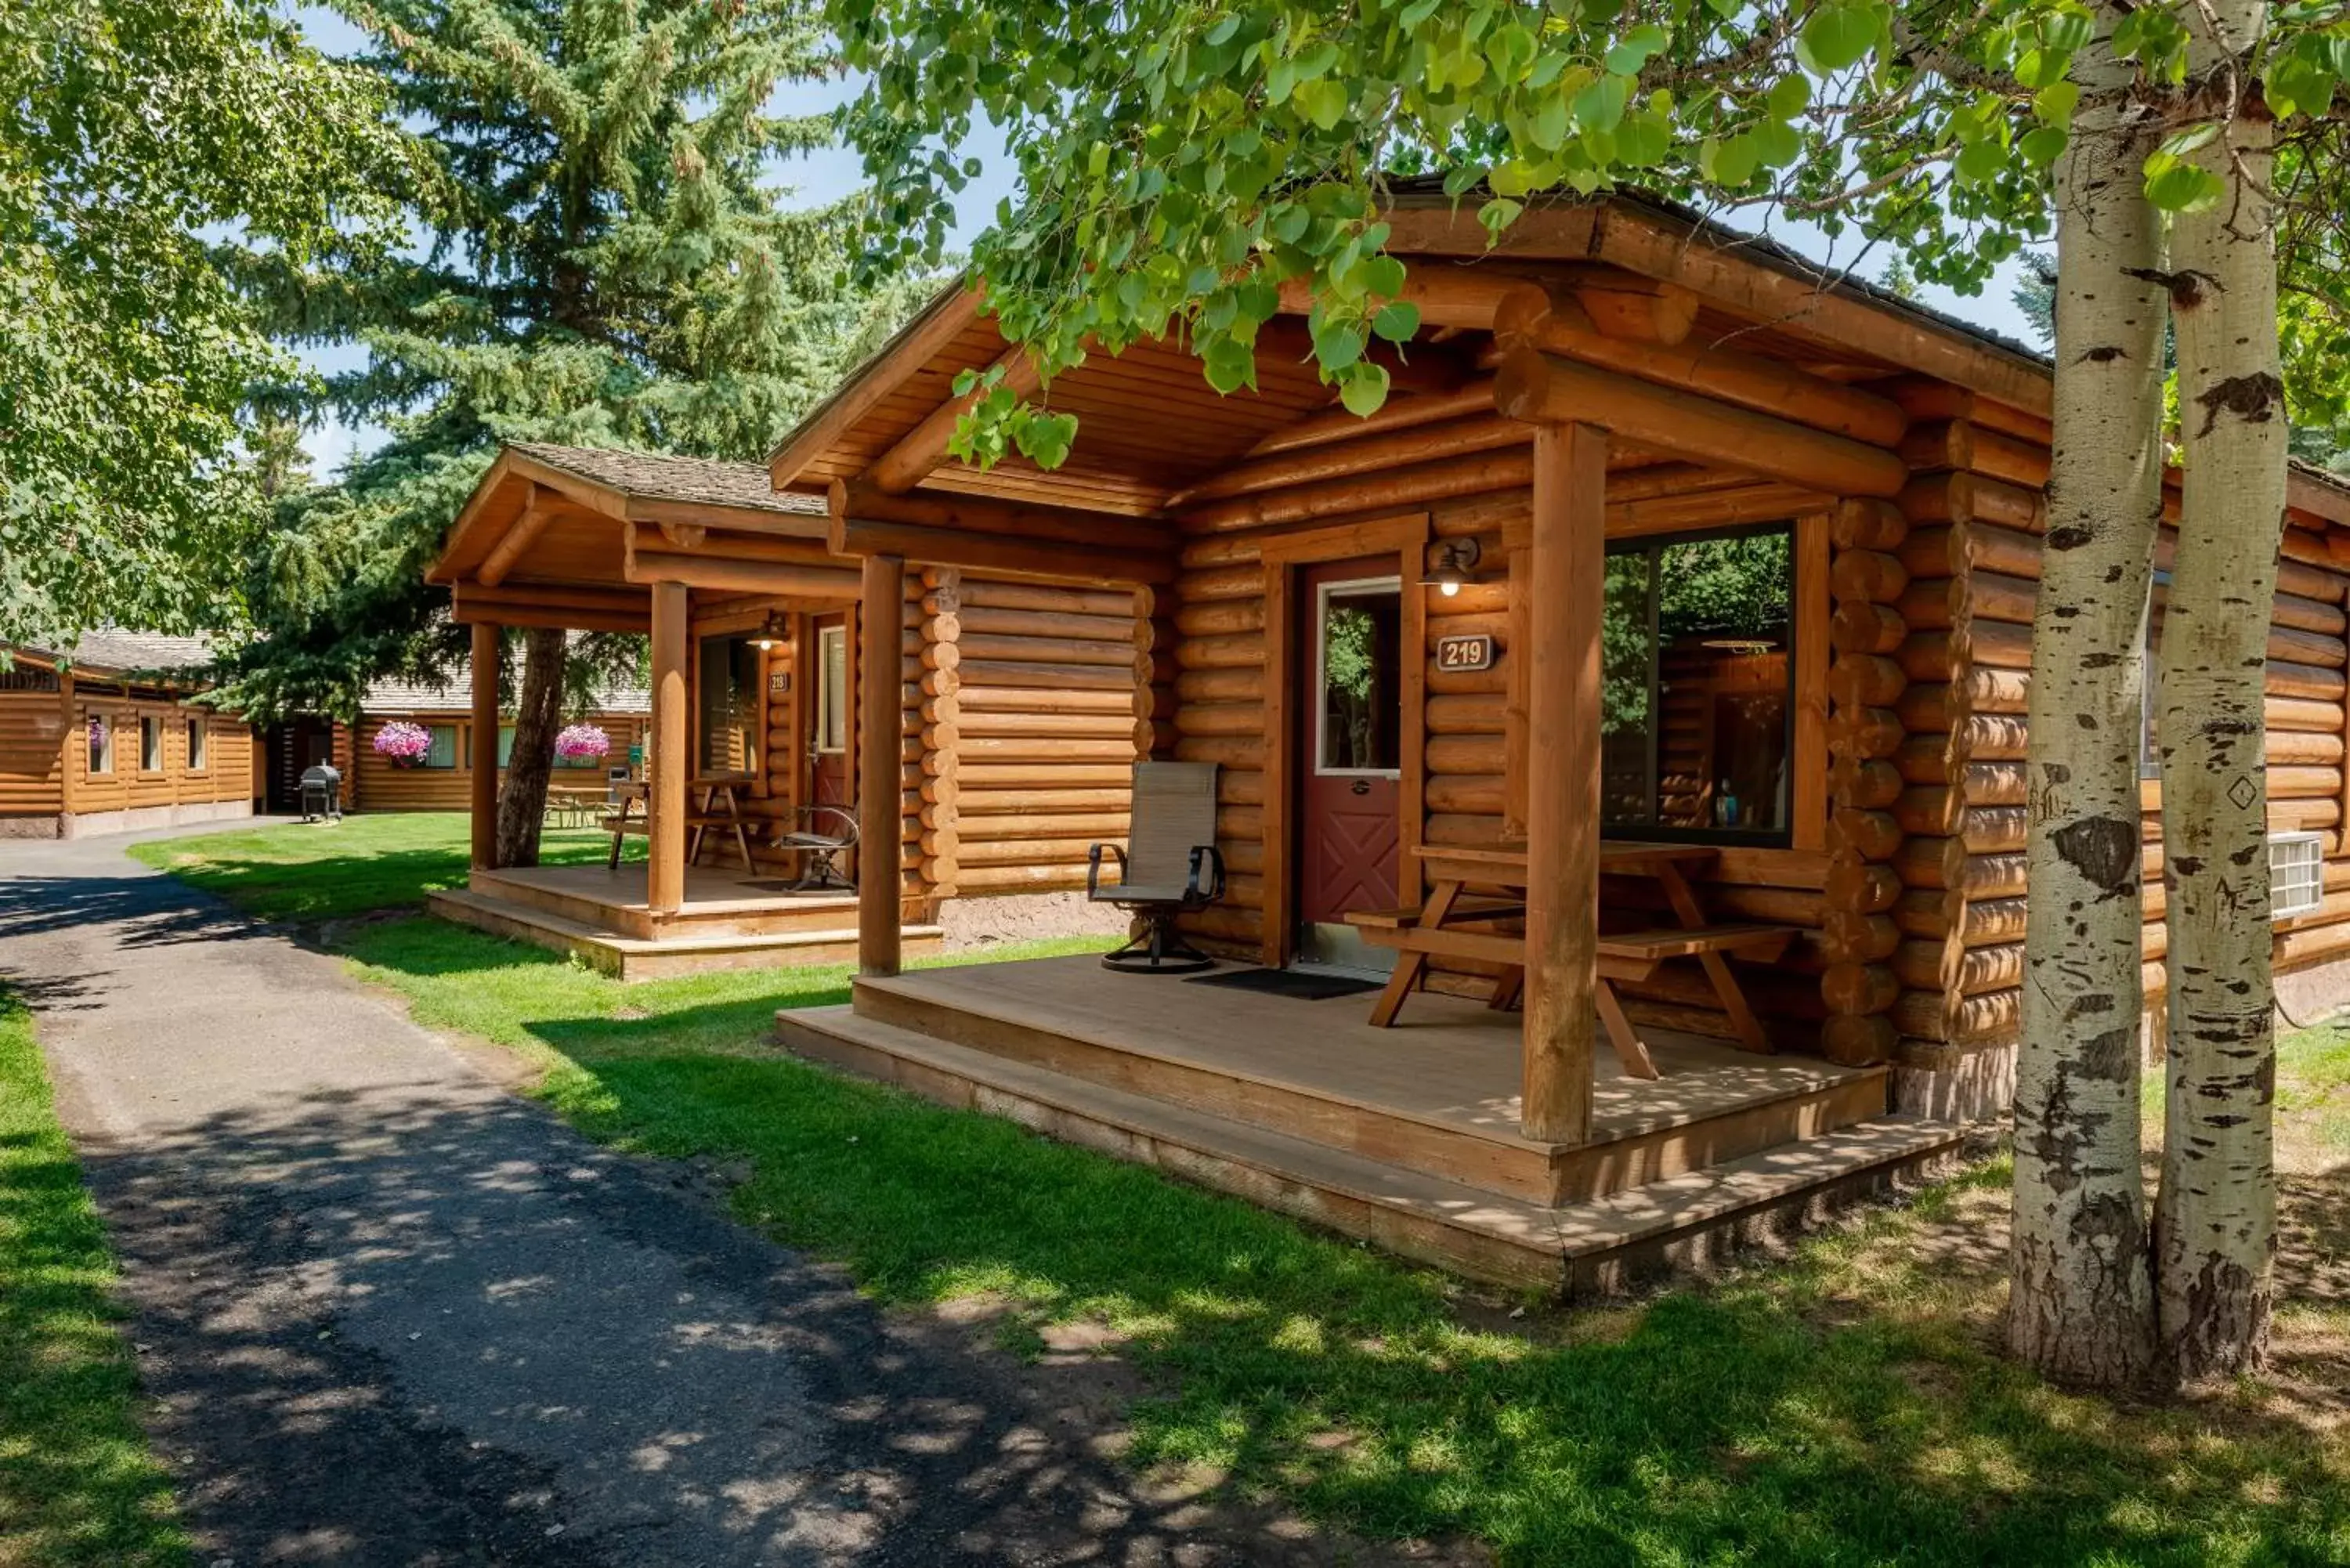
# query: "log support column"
[[484, 761], [1566, 574], [669, 760], [879, 852]]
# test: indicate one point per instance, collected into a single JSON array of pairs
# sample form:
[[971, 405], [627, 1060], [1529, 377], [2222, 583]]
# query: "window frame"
[[831, 708], [151, 760], [457, 748], [199, 741], [97, 760], [2318, 887], [1784, 836], [1323, 594], [699, 739]]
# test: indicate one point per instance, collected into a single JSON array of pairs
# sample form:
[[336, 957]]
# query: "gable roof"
[[115, 650], [659, 476]]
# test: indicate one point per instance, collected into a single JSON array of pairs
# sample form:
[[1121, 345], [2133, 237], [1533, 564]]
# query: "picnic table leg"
[[620, 829], [1508, 987], [1629, 1050], [1733, 996], [1409, 965]]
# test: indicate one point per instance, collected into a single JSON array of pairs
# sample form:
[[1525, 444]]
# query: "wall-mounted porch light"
[[772, 630], [1456, 566]]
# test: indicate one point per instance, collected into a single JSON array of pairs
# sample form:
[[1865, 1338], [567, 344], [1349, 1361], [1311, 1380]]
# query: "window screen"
[[2297, 874]]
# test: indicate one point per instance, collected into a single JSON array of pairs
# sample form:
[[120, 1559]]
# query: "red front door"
[[1350, 756]]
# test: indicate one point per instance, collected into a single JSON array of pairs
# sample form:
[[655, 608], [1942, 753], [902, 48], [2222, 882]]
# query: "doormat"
[[780, 886], [1295, 984]]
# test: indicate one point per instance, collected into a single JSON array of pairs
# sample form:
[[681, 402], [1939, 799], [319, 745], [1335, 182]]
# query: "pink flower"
[[403, 742], [582, 742]]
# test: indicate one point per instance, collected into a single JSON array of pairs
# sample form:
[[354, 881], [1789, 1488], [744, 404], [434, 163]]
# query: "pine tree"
[[602, 259]]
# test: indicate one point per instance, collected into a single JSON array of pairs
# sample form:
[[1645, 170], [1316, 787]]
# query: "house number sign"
[[1464, 652]]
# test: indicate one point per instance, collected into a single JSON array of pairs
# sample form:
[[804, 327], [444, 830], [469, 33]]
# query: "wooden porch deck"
[[1407, 1136], [729, 920]]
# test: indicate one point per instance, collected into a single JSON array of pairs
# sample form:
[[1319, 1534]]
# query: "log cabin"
[[1640, 692], [100, 738], [442, 780], [762, 640]]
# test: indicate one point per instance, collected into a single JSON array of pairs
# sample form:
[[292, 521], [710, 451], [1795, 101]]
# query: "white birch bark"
[[2081, 1303], [2215, 1220]]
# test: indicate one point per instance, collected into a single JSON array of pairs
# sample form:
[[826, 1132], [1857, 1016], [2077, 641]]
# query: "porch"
[[1407, 1137], [722, 920]]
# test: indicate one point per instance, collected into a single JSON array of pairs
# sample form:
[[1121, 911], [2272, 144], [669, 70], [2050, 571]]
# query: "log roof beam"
[[1543, 387]]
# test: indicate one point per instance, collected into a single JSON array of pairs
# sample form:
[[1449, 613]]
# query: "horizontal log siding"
[[32, 754], [1959, 912], [226, 776], [1030, 704]]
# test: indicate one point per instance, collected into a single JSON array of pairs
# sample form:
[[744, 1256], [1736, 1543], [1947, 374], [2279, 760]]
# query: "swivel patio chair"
[[1170, 864]]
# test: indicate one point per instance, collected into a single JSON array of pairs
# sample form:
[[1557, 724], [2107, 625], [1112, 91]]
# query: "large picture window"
[[728, 685], [1697, 673]]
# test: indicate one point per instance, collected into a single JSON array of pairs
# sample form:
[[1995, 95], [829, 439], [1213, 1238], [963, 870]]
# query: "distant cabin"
[[102, 738]]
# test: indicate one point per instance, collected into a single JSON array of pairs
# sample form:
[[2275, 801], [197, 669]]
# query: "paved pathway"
[[391, 1313]]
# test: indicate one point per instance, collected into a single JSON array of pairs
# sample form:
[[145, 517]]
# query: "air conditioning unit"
[[2297, 874]]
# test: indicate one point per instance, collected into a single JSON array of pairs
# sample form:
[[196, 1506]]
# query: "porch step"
[[628, 958], [1776, 1101], [702, 917], [1597, 1246]]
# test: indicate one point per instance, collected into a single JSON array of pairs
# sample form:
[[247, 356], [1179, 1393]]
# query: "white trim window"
[[151, 743], [2297, 874], [1358, 728], [102, 746], [196, 743]]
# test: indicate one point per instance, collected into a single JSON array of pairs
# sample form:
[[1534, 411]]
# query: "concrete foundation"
[[46, 826], [91, 824], [973, 925]]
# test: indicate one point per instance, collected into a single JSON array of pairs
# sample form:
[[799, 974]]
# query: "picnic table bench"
[[1442, 928]]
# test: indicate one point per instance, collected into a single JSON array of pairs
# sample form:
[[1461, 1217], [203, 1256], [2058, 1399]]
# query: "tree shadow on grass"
[[1785, 1415], [1727, 1423]]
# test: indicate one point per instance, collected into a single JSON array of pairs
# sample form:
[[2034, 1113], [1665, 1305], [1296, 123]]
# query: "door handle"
[[1362, 786]]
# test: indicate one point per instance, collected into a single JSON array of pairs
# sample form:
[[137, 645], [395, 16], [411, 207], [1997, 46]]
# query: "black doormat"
[[1296, 984]]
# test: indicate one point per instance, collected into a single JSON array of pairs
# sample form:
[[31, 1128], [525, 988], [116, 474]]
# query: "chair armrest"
[[1209, 857], [1093, 870]]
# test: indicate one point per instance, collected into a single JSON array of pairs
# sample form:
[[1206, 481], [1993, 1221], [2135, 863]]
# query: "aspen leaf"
[[1398, 321], [1363, 388], [1323, 102], [1634, 52], [2178, 187], [1838, 35]]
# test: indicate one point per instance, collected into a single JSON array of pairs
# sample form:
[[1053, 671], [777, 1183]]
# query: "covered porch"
[[1496, 568], [746, 795]]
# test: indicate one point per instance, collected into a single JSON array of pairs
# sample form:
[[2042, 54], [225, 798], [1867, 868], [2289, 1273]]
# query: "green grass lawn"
[[1844, 1405], [378, 860], [76, 1482]]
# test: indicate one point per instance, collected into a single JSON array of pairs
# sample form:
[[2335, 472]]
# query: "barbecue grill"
[[322, 793]]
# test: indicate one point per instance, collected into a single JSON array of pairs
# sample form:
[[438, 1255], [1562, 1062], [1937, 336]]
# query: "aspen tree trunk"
[[538, 713], [2081, 1307], [2215, 1220]]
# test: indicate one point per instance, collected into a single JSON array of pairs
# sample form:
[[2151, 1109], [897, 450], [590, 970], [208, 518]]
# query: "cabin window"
[[1698, 685], [1359, 719], [150, 744], [2297, 874], [102, 744], [442, 752], [832, 689], [196, 745], [729, 700]]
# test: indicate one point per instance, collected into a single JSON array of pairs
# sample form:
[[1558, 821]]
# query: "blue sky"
[[830, 174]]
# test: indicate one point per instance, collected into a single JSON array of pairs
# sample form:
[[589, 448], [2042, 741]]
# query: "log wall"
[[372, 784], [32, 744], [227, 774]]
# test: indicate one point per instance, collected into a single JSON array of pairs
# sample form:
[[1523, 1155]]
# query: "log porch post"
[[880, 871], [484, 763], [1566, 587], [667, 762]]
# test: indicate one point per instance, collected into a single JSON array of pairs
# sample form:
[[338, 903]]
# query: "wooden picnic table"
[[1440, 928], [714, 805]]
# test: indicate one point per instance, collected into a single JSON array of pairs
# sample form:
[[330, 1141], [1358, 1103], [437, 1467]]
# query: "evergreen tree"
[[599, 258]]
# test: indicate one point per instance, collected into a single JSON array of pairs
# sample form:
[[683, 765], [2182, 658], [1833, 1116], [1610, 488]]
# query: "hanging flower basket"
[[402, 745], [582, 743]]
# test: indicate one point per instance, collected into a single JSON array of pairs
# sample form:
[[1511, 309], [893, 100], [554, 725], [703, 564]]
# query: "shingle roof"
[[660, 477], [118, 651], [456, 695]]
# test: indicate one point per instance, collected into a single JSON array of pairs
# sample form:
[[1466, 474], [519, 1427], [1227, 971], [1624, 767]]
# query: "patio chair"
[[820, 844], [1170, 864]]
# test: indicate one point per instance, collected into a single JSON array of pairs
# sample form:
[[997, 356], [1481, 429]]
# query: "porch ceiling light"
[[771, 631], [1456, 565]]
